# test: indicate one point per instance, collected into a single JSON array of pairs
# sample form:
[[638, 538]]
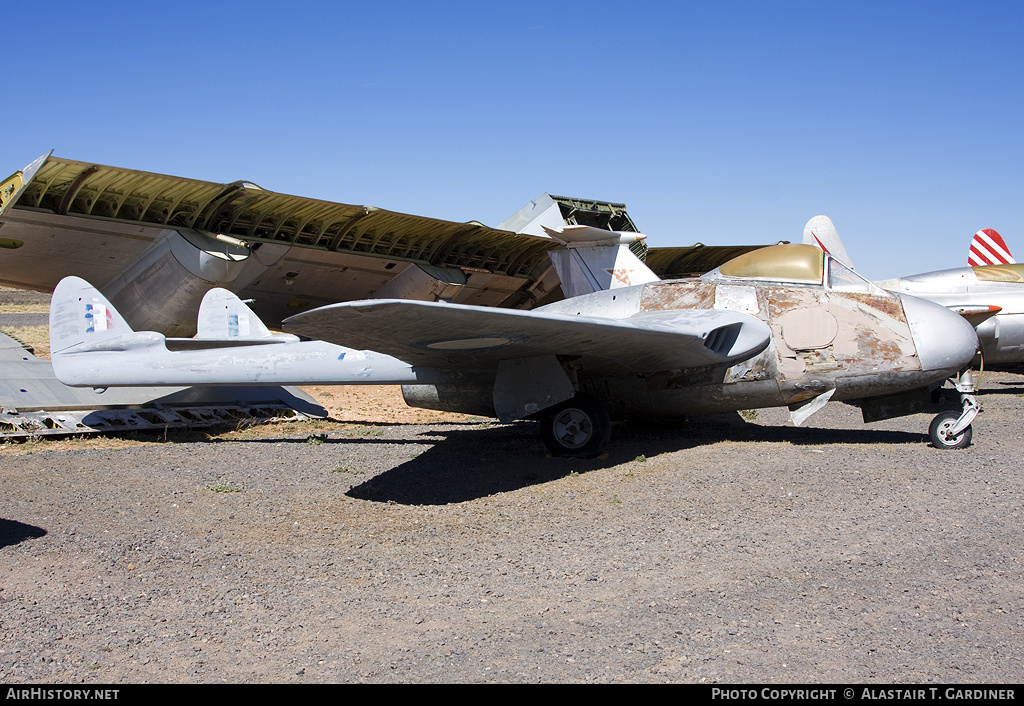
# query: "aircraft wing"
[[436, 334]]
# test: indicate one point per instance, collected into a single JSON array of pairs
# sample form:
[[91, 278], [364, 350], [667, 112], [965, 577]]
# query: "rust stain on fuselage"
[[680, 294], [869, 344]]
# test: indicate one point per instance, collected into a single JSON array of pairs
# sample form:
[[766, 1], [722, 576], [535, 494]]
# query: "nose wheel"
[[950, 429], [576, 428], [943, 435]]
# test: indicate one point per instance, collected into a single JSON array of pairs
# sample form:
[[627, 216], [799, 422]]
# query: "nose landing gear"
[[952, 430]]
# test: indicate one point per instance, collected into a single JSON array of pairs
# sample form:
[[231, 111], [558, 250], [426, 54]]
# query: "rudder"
[[988, 248]]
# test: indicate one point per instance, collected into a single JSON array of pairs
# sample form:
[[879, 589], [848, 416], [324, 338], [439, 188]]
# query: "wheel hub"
[[573, 428], [946, 430]]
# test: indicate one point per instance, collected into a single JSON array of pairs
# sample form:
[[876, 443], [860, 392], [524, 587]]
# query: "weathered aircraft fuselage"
[[784, 326], [858, 344]]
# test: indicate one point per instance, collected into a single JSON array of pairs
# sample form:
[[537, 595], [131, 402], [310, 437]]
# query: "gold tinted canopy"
[[788, 263]]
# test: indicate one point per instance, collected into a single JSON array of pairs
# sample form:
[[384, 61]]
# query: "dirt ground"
[[374, 404], [731, 550]]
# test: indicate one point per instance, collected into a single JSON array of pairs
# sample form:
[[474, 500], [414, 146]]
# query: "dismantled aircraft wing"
[[695, 260], [168, 240]]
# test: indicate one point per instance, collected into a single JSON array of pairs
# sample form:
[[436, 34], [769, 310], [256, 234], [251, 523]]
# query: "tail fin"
[[92, 346], [821, 233], [988, 248], [222, 315], [80, 314], [595, 259]]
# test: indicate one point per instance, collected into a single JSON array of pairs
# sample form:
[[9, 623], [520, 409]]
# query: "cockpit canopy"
[[785, 263], [795, 264]]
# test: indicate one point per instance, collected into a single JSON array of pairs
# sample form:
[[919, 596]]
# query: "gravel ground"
[[726, 551], [19, 320]]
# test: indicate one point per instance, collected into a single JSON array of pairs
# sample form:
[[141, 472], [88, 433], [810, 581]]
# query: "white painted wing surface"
[[436, 334]]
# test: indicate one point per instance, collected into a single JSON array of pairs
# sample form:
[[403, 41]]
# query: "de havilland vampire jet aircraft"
[[989, 293], [785, 325]]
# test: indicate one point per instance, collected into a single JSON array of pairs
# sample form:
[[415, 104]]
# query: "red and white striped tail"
[[988, 248]]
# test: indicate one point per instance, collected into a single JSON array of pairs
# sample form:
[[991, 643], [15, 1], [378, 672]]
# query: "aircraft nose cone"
[[944, 339]]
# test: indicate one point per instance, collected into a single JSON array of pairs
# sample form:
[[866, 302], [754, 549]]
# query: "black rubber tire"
[[945, 420], [576, 428]]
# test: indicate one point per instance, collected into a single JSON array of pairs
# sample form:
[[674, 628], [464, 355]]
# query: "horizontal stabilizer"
[[35, 403], [583, 236]]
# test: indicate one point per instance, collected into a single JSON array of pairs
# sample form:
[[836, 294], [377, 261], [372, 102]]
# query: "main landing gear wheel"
[[940, 429], [577, 428]]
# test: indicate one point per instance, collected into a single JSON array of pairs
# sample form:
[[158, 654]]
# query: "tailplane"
[[92, 346], [988, 248], [821, 233], [595, 259]]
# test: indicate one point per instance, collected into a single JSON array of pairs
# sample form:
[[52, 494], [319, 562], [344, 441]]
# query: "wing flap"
[[444, 335]]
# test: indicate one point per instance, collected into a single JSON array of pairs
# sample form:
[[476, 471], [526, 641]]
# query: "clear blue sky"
[[718, 122]]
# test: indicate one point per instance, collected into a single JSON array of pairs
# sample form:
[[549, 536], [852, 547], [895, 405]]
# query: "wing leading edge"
[[445, 335]]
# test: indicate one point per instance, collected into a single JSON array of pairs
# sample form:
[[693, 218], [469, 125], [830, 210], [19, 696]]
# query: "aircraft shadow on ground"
[[12, 532], [467, 464], [1002, 387]]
